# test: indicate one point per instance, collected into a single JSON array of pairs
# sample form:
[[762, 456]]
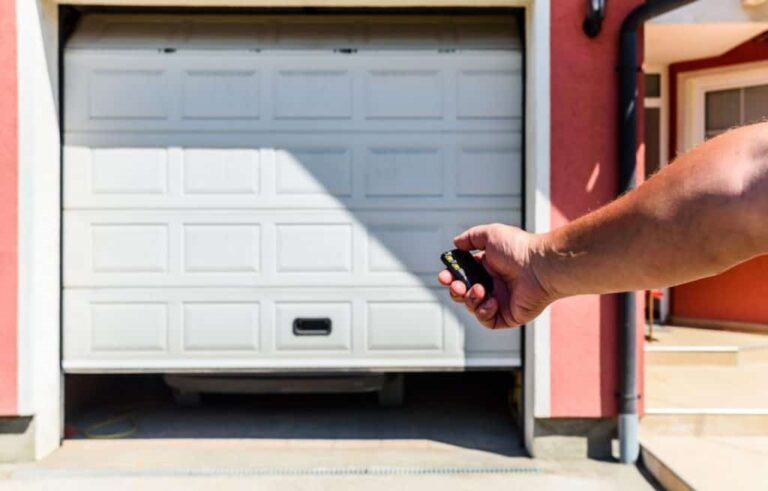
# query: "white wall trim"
[[692, 89], [538, 206], [39, 198], [39, 221]]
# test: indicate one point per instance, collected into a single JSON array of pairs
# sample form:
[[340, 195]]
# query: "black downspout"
[[629, 69]]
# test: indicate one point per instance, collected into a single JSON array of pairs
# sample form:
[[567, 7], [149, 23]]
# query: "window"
[[653, 126], [728, 108], [652, 140], [652, 85]]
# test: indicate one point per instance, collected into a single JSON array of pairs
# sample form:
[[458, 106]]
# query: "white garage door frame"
[[40, 262]]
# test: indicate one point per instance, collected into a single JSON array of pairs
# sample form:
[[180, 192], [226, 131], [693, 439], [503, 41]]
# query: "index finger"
[[473, 238]]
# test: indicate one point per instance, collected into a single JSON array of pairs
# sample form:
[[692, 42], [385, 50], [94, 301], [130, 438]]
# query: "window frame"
[[692, 101]]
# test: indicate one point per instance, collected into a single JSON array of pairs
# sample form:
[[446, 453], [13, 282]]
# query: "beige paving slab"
[[705, 423], [701, 386], [691, 336], [714, 463]]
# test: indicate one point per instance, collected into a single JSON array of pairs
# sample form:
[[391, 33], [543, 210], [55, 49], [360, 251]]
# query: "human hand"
[[511, 256]]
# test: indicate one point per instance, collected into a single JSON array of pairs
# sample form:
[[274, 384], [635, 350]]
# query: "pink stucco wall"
[[583, 177], [8, 209]]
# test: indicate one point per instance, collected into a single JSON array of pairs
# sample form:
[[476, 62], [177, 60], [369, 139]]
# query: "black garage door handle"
[[312, 327]]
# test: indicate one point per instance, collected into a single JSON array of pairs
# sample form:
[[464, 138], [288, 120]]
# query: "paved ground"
[[468, 483], [166, 464], [454, 433], [707, 423], [714, 462], [698, 384]]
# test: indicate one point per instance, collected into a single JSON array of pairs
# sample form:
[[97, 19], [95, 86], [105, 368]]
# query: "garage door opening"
[[456, 414], [269, 194]]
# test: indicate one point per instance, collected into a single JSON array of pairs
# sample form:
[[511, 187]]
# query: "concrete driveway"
[[455, 432], [165, 464]]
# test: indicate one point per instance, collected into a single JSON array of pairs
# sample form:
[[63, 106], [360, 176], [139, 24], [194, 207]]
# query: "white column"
[[538, 206], [39, 221]]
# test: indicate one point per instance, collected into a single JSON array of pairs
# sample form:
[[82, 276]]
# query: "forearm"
[[703, 214]]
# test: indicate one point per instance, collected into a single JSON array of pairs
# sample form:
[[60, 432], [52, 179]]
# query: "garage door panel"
[[319, 170], [314, 247], [312, 94], [485, 94], [297, 31], [221, 94], [488, 171], [232, 134], [221, 248], [213, 171], [244, 248], [228, 179], [394, 247], [399, 171], [393, 170], [485, 344], [220, 326], [129, 247], [269, 91], [144, 94], [397, 326], [128, 171], [110, 329], [128, 326], [406, 94]]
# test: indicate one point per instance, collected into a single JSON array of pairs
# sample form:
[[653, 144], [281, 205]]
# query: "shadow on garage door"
[[468, 410]]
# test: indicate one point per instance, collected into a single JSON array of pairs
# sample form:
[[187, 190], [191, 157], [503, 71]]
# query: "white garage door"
[[273, 193]]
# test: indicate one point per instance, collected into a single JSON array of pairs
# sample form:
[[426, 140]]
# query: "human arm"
[[695, 218]]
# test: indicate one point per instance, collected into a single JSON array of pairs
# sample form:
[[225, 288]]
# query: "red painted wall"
[[737, 295], [740, 293], [583, 177], [8, 208]]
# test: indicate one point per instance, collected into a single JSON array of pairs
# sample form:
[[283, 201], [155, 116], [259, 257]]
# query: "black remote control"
[[465, 268]]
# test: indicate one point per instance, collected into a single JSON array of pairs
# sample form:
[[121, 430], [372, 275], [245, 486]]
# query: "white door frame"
[[693, 87], [662, 103], [39, 340]]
